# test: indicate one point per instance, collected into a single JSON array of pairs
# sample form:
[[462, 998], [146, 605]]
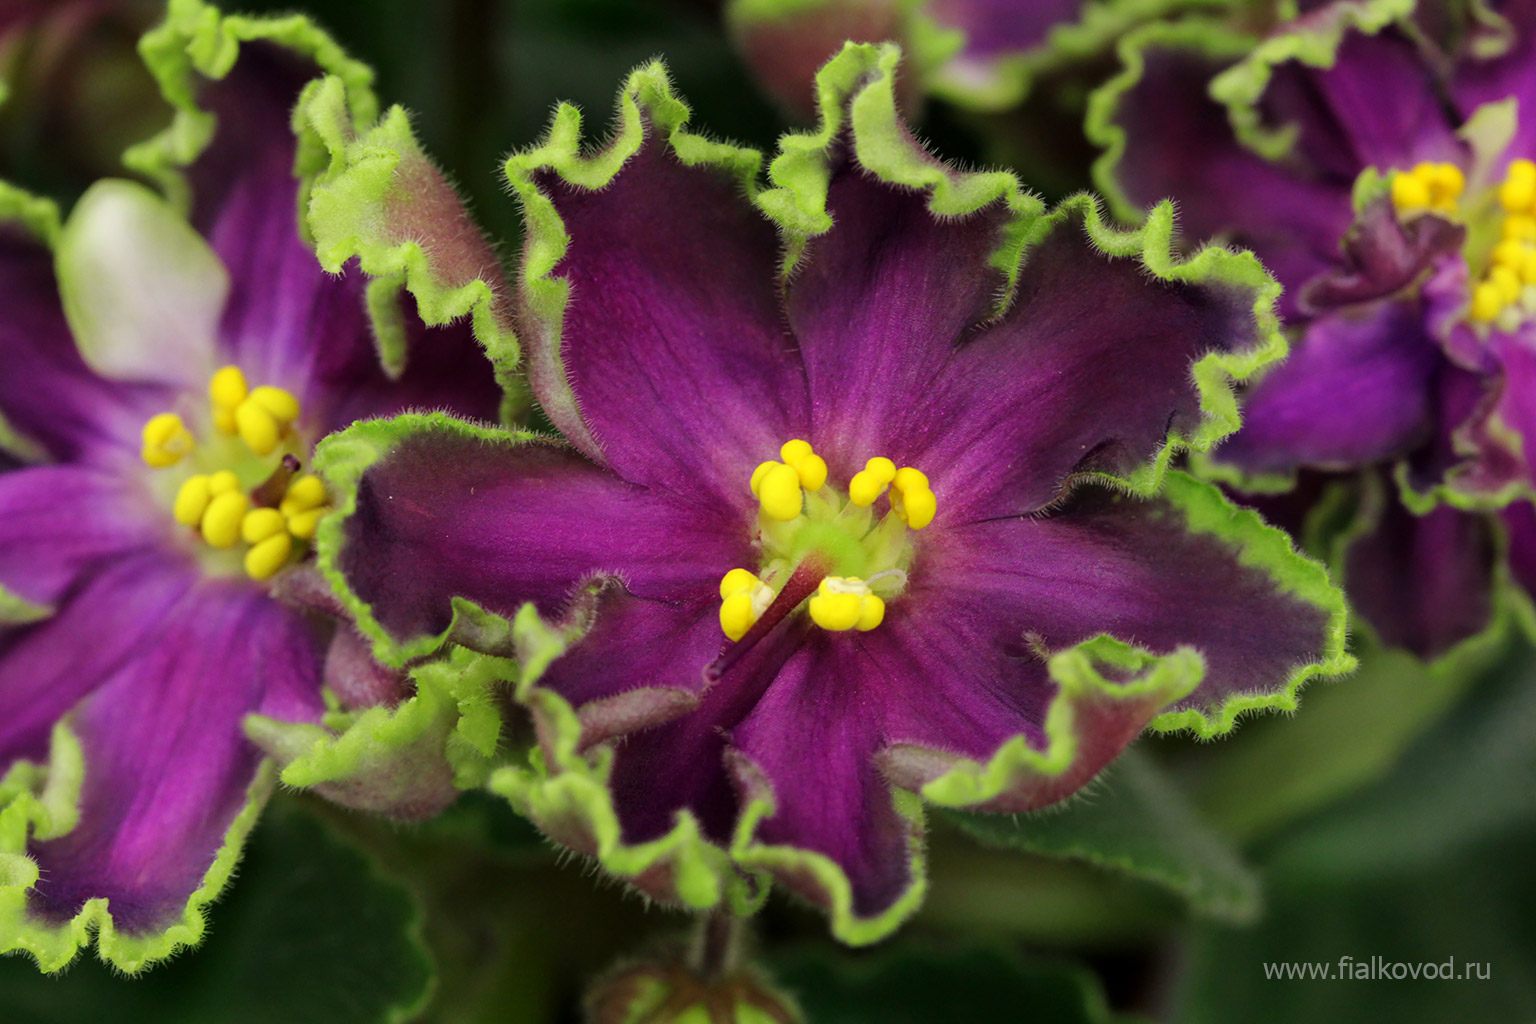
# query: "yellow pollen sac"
[[260, 416], [1487, 301], [192, 500], [257, 428], [166, 439], [304, 525], [223, 518], [303, 494], [871, 481], [842, 603], [1519, 226], [223, 481], [778, 492], [912, 498], [743, 599], [227, 388], [1428, 186], [261, 523], [267, 556], [1517, 193]]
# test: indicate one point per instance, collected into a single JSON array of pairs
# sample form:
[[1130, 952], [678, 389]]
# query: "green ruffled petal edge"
[[361, 161], [567, 786], [43, 802], [1012, 75]]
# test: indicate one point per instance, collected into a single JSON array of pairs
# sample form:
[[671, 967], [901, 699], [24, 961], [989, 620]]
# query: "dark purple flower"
[[1403, 229], [164, 380], [836, 530]]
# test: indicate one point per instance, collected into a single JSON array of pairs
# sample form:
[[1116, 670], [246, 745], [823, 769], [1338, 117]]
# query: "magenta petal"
[[167, 767], [57, 522], [47, 393], [45, 669], [1358, 388], [672, 333], [1106, 563], [1424, 583], [447, 513]]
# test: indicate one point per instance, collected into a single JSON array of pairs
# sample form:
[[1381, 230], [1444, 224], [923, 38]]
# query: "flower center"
[[1501, 248], [244, 484], [802, 519]]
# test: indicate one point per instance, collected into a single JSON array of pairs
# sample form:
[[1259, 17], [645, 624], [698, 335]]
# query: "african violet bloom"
[[833, 530], [1404, 232], [165, 380], [983, 54]]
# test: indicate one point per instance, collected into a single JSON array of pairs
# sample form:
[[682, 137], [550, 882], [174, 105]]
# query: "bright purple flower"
[[833, 531], [1404, 232], [165, 379]]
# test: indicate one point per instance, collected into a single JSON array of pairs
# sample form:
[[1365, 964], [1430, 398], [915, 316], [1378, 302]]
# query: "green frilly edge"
[[562, 783]]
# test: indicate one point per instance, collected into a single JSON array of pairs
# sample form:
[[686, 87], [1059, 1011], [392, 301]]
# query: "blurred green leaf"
[[910, 983], [1432, 863], [1133, 821], [309, 934]]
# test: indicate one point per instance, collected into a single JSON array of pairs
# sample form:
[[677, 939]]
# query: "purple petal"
[[673, 366], [167, 767], [1383, 255], [1477, 82], [996, 27], [447, 514], [47, 393], [1424, 583], [1520, 527], [1179, 144], [1106, 563], [1358, 388], [45, 669]]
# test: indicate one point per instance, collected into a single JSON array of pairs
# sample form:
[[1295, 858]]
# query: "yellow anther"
[[282, 405], [304, 524], [1516, 194], [224, 421], [1521, 226], [1507, 281], [864, 488], [779, 492], [1528, 268], [261, 523], [1510, 252], [917, 506], [1521, 170], [264, 559], [793, 451], [306, 492], [871, 613], [813, 472], [882, 467], [192, 500], [736, 581], [257, 427], [222, 482], [908, 478], [1409, 191], [1487, 301], [166, 440], [736, 615], [1446, 182], [227, 388], [844, 602], [222, 519], [758, 474]]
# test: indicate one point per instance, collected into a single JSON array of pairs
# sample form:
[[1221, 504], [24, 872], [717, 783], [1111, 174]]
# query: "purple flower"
[[1404, 232], [165, 379], [863, 499]]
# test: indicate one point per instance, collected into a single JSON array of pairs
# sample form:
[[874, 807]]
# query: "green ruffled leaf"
[[1133, 820], [913, 983], [312, 935]]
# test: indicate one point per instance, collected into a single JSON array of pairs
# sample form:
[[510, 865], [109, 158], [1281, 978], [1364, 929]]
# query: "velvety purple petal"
[[1477, 82], [673, 343], [1383, 255], [46, 668], [996, 27], [1342, 124], [1106, 563], [500, 523], [1088, 371], [1423, 582], [166, 764], [1520, 527], [879, 305], [1461, 444], [57, 522], [1515, 408], [1357, 388], [1180, 144], [47, 393]]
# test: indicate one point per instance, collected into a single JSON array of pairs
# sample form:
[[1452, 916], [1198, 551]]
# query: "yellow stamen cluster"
[[778, 486], [260, 416], [166, 440], [221, 512], [1513, 264], [743, 599], [1428, 186], [845, 602], [911, 497]]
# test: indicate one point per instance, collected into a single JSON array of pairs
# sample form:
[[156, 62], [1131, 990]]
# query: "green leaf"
[[1430, 864], [1134, 821], [311, 934], [911, 983]]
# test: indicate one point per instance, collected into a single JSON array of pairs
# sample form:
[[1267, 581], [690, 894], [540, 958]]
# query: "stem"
[[715, 953], [802, 583]]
